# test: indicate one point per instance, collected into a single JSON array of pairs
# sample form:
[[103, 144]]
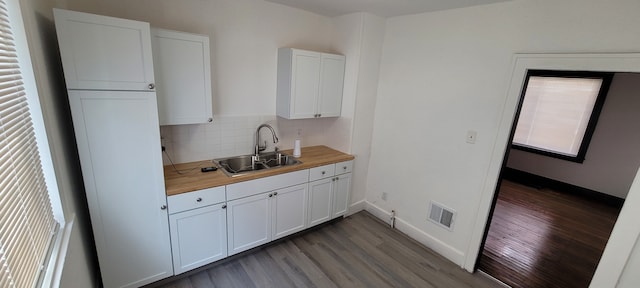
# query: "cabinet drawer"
[[196, 199], [261, 185], [321, 172], [344, 167]]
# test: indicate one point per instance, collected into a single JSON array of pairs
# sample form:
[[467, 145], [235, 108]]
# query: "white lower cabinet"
[[341, 187], [198, 237], [248, 222], [289, 209], [320, 199], [259, 219], [204, 228], [329, 193], [122, 171], [198, 225]]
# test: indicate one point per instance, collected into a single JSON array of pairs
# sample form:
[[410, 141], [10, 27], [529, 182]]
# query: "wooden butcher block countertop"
[[193, 179]]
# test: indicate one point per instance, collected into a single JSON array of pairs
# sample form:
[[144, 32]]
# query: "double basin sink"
[[240, 165]]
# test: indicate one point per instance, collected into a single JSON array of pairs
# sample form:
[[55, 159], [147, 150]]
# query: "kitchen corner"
[[136, 90]]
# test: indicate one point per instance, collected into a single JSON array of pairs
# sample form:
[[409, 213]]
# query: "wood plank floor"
[[544, 238], [358, 251]]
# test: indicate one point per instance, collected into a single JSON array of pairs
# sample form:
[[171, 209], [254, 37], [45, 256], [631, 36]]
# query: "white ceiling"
[[384, 8]]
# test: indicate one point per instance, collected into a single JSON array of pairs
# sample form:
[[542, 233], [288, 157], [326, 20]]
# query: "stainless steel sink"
[[240, 165]]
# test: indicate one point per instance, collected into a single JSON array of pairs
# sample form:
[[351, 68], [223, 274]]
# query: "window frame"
[[606, 77], [52, 269]]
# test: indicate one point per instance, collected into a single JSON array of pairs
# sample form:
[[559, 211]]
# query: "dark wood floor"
[[544, 238], [358, 251]]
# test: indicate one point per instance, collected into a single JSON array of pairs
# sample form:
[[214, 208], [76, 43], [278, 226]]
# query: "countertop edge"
[[194, 180]]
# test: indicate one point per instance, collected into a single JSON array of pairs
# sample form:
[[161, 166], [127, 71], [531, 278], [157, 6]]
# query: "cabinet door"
[[331, 85], [104, 53], [248, 222], [305, 81], [198, 237], [342, 186], [183, 77], [119, 146], [320, 201], [289, 207]]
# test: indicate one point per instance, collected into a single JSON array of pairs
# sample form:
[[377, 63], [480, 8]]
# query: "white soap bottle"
[[296, 149], [296, 146]]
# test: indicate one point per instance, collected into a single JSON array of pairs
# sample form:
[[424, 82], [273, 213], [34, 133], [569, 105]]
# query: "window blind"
[[27, 225], [555, 113]]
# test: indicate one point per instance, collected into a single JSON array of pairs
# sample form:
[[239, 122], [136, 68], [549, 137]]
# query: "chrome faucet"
[[259, 148]]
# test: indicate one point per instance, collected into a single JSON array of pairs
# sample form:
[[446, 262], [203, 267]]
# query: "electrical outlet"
[[384, 196]]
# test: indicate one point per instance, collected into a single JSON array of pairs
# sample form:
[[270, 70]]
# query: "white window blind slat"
[[26, 218], [556, 112]]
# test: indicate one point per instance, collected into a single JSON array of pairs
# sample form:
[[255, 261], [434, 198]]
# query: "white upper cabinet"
[[104, 53], [310, 84], [183, 77], [331, 85]]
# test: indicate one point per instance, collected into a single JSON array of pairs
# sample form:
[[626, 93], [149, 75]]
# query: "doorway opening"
[[550, 219]]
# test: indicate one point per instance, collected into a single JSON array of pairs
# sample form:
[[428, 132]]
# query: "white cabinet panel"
[[310, 84], [253, 187], [289, 206], [305, 77], [196, 199], [183, 77], [342, 186], [118, 142], [198, 237], [248, 222], [104, 53], [321, 172], [331, 85], [344, 167], [320, 201], [255, 220]]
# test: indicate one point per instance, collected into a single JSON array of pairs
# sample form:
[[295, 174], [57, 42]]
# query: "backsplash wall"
[[235, 135]]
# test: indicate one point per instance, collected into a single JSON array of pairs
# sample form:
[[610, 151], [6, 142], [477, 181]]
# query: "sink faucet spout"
[[258, 147]]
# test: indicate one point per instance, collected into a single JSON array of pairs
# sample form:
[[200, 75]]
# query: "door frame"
[[626, 232]]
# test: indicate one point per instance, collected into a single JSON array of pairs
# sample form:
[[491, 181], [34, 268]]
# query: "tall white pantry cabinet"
[[108, 68]]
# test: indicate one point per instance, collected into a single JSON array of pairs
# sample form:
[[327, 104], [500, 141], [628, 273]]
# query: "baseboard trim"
[[540, 182], [378, 212], [454, 255], [357, 207]]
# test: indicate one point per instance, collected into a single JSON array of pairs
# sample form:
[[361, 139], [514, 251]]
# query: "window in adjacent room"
[[559, 112]]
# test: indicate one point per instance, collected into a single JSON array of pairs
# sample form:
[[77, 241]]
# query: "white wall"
[[631, 278], [370, 41], [445, 73], [613, 156]]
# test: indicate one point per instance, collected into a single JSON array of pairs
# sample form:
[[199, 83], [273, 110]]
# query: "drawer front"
[[344, 167], [321, 172], [196, 199], [261, 185]]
